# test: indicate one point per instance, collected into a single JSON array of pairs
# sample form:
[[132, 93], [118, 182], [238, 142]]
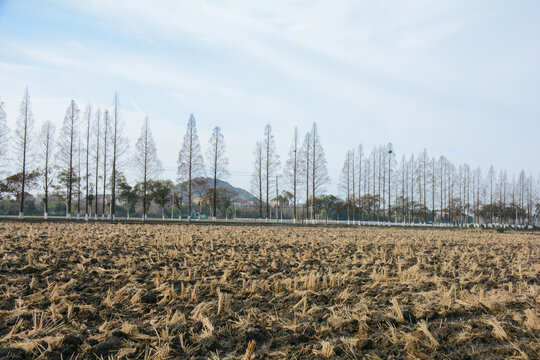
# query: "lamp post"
[[389, 177]]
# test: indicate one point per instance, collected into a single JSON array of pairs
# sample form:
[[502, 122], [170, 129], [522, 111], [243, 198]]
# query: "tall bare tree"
[[146, 162], [353, 184], [522, 191], [305, 166], [381, 188], [412, 182], [4, 130], [97, 135], [87, 133], [450, 187], [345, 182], [67, 151], [433, 181], [190, 160], [46, 145], [390, 150], [467, 191], [367, 185], [491, 179], [106, 140], [291, 170], [530, 200], [270, 163], [319, 172], [443, 177], [79, 178], [477, 191], [257, 176], [423, 170], [218, 163], [119, 148], [360, 159], [404, 186], [374, 159], [23, 144], [503, 192]]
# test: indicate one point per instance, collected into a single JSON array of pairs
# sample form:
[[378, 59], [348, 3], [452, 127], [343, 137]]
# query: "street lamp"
[[389, 177]]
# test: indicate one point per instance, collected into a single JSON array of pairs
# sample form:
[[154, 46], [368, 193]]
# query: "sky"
[[459, 78]]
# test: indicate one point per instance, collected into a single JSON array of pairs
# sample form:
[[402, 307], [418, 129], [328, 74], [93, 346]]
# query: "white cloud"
[[428, 35], [366, 72]]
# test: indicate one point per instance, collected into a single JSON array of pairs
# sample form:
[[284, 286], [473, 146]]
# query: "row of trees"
[[63, 163], [84, 167], [377, 187], [305, 168], [90, 154], [423, 188]]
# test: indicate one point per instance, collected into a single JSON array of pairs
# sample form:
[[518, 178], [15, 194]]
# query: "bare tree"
[[79, 178], [97, 134], [412, 177], [146, 162], [119, 148], [403, 186], [433, 179], [345, 182], [390, 158], [374, 176], [353, 185], [530, 199], [360, 157], [522, 190], [46, 145], [503, 192], [270, 162], [23, 144], [423, 169], [106, 140], [381, 179], [305, 166], [291, 170], [367, 185], [319, 173], [278, 199], [67, 150], [4, 130], [87, 134], [190, 160], [441, 164], [218, 163], [491, 179], [449, 195], [466, 191], [477, 181], [257, 176]]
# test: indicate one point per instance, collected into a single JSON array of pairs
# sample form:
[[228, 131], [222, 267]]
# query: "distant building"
[[243, 203]]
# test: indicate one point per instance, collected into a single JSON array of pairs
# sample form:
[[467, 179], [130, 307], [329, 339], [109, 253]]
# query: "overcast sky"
[[459, 78]]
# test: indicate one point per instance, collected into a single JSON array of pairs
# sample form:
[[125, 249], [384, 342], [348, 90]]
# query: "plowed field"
[[222, 292]]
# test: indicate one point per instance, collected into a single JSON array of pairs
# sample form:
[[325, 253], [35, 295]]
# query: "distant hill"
[[241, 193]]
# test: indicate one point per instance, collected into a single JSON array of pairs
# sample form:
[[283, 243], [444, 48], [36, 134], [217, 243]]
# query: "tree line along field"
[[112, 291]]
